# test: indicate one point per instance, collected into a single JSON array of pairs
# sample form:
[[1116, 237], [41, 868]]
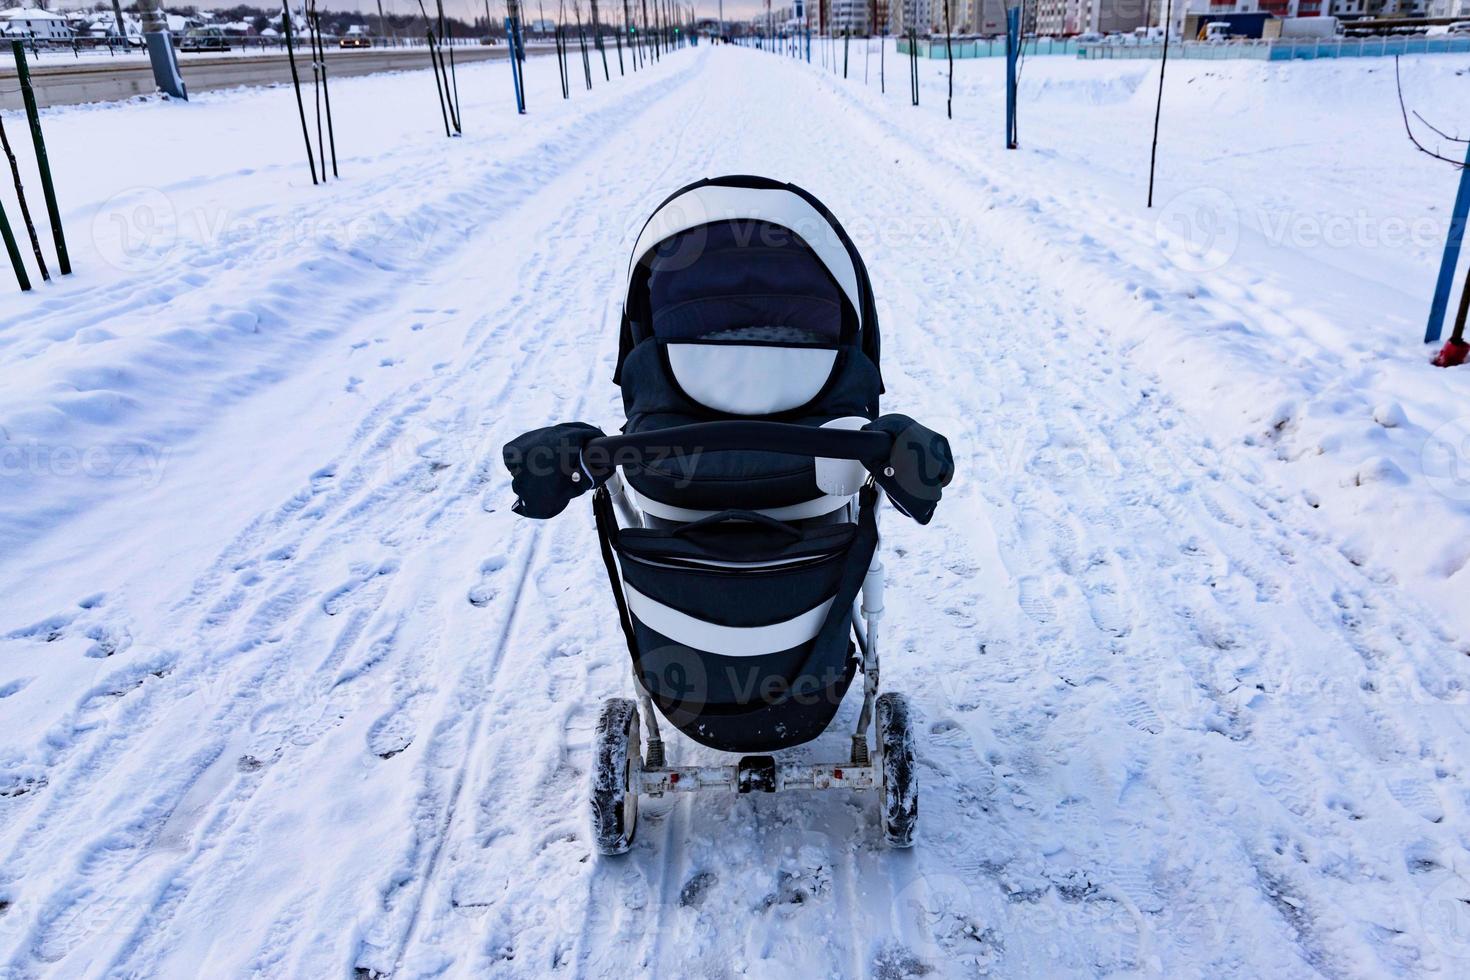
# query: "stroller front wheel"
[[898, 782], [615, 770]]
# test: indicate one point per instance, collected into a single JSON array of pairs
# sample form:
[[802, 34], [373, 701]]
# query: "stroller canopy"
[[745, 280], [746, 300]]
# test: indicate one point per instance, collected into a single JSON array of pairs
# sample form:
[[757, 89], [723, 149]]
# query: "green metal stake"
[[15, 260], [23, 72]]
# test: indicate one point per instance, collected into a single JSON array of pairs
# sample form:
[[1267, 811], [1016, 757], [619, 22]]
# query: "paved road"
[[105, 81]]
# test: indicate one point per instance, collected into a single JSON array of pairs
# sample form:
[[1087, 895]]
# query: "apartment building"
[[1060, 17]]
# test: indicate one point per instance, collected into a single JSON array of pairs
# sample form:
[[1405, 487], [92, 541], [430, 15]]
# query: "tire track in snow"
[[1236, 526], [429, 874]]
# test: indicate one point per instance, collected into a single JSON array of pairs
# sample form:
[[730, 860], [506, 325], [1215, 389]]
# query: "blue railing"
[[1283, 49], [1276, 49], [988, 47]]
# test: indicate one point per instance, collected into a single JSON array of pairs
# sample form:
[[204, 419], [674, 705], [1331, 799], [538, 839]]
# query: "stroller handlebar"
[[601, 456]]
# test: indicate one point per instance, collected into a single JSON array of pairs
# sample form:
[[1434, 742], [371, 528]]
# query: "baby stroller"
[[737, 511]]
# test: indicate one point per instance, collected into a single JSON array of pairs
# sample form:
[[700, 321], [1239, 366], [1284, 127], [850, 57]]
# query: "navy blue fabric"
[[743, 704], [736, 597], [717, 480], [544, 468], [767, 702], [920, 466], [733, 274], [729, 541], [637, 316]]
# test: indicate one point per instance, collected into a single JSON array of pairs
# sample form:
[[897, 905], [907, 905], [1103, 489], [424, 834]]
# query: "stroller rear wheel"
[[615, 774], [898, 782]]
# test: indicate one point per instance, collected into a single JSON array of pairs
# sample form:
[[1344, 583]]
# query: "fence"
[[994, 47], [1276, 49], [1283, 49]]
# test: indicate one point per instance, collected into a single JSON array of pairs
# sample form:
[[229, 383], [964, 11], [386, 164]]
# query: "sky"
[[464, 8]]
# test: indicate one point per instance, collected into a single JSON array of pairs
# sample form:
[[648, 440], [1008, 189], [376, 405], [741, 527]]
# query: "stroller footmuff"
[[737, 510]]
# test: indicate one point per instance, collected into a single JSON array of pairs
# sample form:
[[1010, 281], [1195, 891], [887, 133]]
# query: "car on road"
[[355, 41], [205, 39]]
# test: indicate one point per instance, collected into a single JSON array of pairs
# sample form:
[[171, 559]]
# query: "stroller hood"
[[747, 257]]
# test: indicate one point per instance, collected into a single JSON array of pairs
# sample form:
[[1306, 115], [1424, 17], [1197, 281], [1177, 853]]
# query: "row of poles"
[[665, 25], [321, 92], [798, 44], [48, 189]]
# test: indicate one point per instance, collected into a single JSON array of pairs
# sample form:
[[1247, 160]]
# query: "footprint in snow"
[[48, 630], [14, 687], [485, 591], [107, 641], [696, 889], [322, 479], [394, 731]]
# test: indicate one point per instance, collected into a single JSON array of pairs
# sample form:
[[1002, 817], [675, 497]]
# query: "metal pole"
[[1013, 39], [1153, 153], [1451, 259], [296, 84], [326, 93], [13, 249], [949, 54], [515, 65], [23, 74], [25, 209]]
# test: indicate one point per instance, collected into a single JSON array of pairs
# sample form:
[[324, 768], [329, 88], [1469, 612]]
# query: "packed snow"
[[287, 690]]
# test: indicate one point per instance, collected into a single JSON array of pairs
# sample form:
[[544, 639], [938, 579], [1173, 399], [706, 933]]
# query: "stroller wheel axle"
[[757, 774]]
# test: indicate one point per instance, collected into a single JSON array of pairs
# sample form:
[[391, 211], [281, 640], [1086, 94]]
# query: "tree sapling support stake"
[[1153, 153], [561, 62], [438, 83], [327, 96], [14, 251], [23, 74], [1451, 259], [582, 43], [454, 76], [1013, 52], [316, 94], [949, 54], [296, 83], [25, 209], [515, 68], [914, 64]]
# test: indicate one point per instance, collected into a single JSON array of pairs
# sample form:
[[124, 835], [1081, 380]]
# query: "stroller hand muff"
[[737, 509]]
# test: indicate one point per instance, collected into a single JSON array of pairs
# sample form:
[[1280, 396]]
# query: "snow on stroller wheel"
[[614, 777], [898, 782]]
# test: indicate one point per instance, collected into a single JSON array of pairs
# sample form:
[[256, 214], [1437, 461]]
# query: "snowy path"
[[1171, 729]]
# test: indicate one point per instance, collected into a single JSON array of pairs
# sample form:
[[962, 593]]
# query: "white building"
[[1449, 8], [34, 22]]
